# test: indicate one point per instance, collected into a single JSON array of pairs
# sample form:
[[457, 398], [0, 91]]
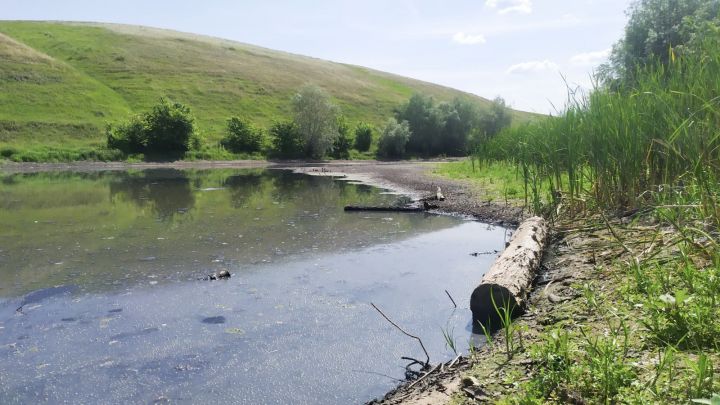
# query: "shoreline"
[[406, 177]]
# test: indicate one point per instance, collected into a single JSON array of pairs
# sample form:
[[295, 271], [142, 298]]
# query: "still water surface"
[[105, 269]]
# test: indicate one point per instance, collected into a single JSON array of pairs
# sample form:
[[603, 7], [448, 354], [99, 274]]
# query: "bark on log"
[[509, 279], [384, 209]]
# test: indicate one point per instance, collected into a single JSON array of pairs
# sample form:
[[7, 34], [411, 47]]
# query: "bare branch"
[[427, 362]]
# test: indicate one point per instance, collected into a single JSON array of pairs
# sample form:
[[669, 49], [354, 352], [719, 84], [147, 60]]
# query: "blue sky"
[[517, 49]]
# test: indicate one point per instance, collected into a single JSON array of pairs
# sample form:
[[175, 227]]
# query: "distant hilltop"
[[62, 82]]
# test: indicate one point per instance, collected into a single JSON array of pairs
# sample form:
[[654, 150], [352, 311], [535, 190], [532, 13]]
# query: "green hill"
[[61, 83]]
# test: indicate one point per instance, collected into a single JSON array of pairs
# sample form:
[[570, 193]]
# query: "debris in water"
[[214, 320], [235, 331]]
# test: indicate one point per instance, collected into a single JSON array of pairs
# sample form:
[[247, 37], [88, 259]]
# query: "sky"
[[530, 52]]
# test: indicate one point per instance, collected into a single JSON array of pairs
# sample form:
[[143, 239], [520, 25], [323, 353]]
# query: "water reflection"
[[104, 268], [243, 186], [109, 230], [168, 191]]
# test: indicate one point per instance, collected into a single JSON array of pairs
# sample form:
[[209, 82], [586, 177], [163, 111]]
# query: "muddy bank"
[[488, 375], [416, 180]]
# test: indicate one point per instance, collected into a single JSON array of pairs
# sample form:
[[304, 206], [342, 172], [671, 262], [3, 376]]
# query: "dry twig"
[[427, 362]]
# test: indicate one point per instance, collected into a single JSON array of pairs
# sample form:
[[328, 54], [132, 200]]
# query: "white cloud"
[[590, 58], [510, 6], [532, 67], [468, 39]]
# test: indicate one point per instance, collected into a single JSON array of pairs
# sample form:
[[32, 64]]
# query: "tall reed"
[[627, 147]]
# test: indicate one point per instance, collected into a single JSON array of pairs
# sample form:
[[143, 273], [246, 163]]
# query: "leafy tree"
[[497, 117], [287, 139], [394, 139], [363, 136], [469, 117], [167, 128], [242, 136], [342, 144], [438, 129], [657, 29], [316, 118], [424, 122]]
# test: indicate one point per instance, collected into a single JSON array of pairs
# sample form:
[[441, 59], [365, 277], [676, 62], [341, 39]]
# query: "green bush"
[[242, 136], [129, 137], [363, 136], [167, 128], [394, 139], [342, 144], [445, 128], [287, 139], [6, 152]]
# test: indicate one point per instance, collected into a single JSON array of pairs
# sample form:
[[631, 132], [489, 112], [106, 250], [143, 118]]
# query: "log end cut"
[[487, 303]]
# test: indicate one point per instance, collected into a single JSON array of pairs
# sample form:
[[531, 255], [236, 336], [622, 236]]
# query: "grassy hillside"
[[60, 83]]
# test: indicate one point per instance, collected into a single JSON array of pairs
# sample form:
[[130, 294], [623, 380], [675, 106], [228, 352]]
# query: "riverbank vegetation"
[[635, 163], [318, 130]]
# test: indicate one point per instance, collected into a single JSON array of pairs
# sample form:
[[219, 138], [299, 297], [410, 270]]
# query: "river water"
[[102, 297]]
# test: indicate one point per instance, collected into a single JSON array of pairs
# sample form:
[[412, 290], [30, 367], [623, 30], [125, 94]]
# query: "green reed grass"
[[655, 147], [619, 145]]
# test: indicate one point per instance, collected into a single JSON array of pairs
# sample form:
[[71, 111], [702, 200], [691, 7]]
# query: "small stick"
[[619, 239], [376, 373], [423, 377], [427, 362], [451, 298], [452, 363], [412, 361]]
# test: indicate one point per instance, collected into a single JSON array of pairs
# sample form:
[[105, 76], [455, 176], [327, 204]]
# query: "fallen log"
[[507, 283], [385, 209]]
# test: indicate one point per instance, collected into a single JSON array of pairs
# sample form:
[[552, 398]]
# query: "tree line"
[[420, 127]]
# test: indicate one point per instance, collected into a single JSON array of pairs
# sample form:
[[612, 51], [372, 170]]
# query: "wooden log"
[[385, 209], [509, 279]]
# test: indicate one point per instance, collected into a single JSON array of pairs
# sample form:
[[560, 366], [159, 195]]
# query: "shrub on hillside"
[[394, 139], [287, 139], [342, 144], [129, 137], [167, 128], [242, 136], [363, 136]]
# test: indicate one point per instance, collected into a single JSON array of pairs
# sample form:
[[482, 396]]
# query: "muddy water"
[[100, 300]]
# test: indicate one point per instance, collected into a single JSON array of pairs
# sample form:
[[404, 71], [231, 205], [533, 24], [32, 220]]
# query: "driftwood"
[[508, 281], [384, 209]]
